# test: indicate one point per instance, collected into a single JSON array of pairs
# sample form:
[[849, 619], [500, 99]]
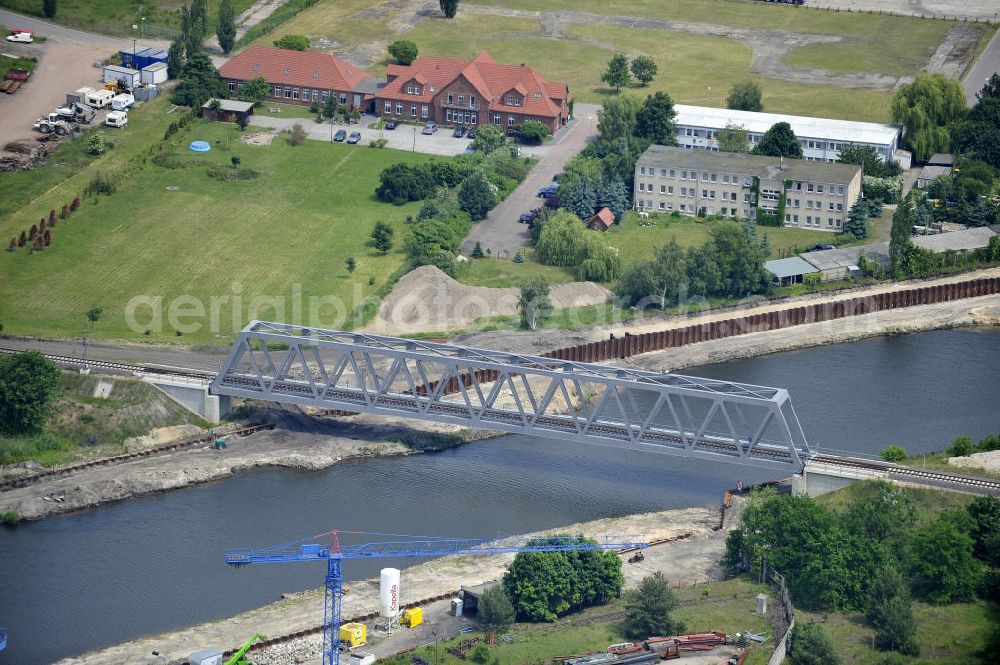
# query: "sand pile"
[[428, 300]]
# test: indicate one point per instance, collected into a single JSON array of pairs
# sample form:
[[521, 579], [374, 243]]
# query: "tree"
[[655, 120], [580, 198], [351, 264], [648, 608], [941, 562], [402, 183], [644, 69], [475, 196], [533, 302], [97, 144], [901, 245], [617, 117], [544, 585], [928, 109], [870, 161], [533, 132], [404, 51], [886, 513], [745, 96], [382, 236], [199, 15], [175, 58], [199, 82], [985, 513], [226, 29], [617, 75], [857, 219], [779, 141], [330, 107], [495, 611], [255, 90], [489, 138], [889, 453], [734, 138], [28, 382], [810, 644], [94, 314], [449, 8], [49, 8], [292, 43], [614, 197], [477, 251], [297, 136], [191, 31]]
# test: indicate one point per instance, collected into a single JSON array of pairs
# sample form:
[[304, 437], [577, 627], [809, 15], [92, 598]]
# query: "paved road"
[[987, 65], [499, 232]]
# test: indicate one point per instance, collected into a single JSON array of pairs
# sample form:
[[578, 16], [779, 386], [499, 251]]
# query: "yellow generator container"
[[412, 618], [353, 634]]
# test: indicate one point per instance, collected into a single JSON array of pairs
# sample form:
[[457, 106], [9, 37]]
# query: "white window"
[[663, 205], [288, 93], [413, 110], [472, 101], [232, 86], [663, 189], [496, 118], [399, 108], [642, 170], [831, 205], [663, 173], [295, 93], [840, 207], [475, 117], [510, 121], [819, 188], [725, 178], [684, 175], [671, 173], [461, 98], [642, 186], [326, 93], [343, 98], [447, 115], [451, 98], [840, 189], [810, 187], [704, 176], [423, 111], [388, 107], [315, 95], [704, 193], [277, 91], [670, 190]]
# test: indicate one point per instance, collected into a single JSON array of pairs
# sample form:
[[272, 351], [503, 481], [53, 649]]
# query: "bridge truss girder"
[[521, 394]]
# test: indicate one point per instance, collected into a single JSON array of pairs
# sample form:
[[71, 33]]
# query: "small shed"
[[230, 110], [789, 271], [130, 77], [154, 73], [602, 221], [930, 173], [941, 159]]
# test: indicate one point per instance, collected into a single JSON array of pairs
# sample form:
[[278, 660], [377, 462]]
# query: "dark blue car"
[[548, 190]]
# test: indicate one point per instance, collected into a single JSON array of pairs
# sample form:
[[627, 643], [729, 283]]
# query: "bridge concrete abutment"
[[819, 478], [193, 395]]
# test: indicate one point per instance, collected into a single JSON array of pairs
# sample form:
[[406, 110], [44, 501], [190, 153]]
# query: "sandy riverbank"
[[688, 560], [298, 441]]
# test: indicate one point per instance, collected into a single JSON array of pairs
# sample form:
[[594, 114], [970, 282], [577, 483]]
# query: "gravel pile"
[[291, 653]]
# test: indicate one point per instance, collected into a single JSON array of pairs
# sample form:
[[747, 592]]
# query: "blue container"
[[199, 146]]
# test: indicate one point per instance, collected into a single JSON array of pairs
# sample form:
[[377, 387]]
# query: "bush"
[[378, 143], [97, 145], [293, 43], [481, 654], [961, 447], [297, 136], [402, 183], [893, 454], [648, 608], [101, 183], [404, 51], [534, 132], [10, 518], [810, 644]]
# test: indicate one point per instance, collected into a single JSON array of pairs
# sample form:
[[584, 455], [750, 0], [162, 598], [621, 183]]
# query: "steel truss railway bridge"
[[516, 393]]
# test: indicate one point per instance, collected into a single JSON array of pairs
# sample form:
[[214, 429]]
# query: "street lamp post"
[[143, 20], [414, 139]]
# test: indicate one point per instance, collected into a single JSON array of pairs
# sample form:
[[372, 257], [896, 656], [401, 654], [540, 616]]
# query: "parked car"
[[548, 190], [459, 132], [557, 177], [471, 133], [20, 37], [820, 247], [391, 123], [530, 216], [354, 138], [430, 128], [340, 135]]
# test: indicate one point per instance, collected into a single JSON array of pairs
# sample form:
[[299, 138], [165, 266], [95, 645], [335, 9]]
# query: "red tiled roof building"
[[449, 91], [603, 220], [300, 77]]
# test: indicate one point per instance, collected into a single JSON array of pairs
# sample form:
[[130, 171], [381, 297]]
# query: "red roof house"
[[299, 77], [472, 93], [602, 221]]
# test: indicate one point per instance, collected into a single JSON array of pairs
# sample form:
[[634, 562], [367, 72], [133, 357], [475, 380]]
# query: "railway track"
[[120, 368], [905, 473], [25, 481]]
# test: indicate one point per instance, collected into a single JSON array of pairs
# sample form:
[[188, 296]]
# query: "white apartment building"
[[821, 138], [808, 195]]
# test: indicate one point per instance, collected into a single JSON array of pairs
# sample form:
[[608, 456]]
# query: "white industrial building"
[[821, 138]]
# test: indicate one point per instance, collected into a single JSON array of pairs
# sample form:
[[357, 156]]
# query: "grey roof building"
[[975, 238], [789, 271], [810, 195]]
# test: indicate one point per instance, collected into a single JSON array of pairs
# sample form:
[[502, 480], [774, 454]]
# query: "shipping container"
[[131, 77], [155, 73]]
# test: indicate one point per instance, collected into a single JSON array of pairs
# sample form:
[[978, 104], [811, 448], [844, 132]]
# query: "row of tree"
[[873, 556]]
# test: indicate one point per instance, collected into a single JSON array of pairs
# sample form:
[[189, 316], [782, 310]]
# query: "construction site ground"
[[690, 560]]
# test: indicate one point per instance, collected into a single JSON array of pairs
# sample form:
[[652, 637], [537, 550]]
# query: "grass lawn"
[[328, 18], [503, 273], [173, 233], [284, 111], [637, 242], [728, 607], [118, 16], [7, 63], [929, 503]]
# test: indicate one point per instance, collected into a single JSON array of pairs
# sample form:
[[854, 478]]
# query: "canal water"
[[95, 578]]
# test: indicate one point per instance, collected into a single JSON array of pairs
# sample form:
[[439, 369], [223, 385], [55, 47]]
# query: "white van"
[[98, 99], [123, 101], [117, 119]]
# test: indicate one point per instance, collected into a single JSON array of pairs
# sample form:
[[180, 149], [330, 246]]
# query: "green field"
[[178, 235], [694, 69], [118, 16]]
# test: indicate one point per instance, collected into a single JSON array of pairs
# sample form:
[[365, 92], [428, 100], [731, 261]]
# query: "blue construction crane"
[[326, 546], [3, 639]]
